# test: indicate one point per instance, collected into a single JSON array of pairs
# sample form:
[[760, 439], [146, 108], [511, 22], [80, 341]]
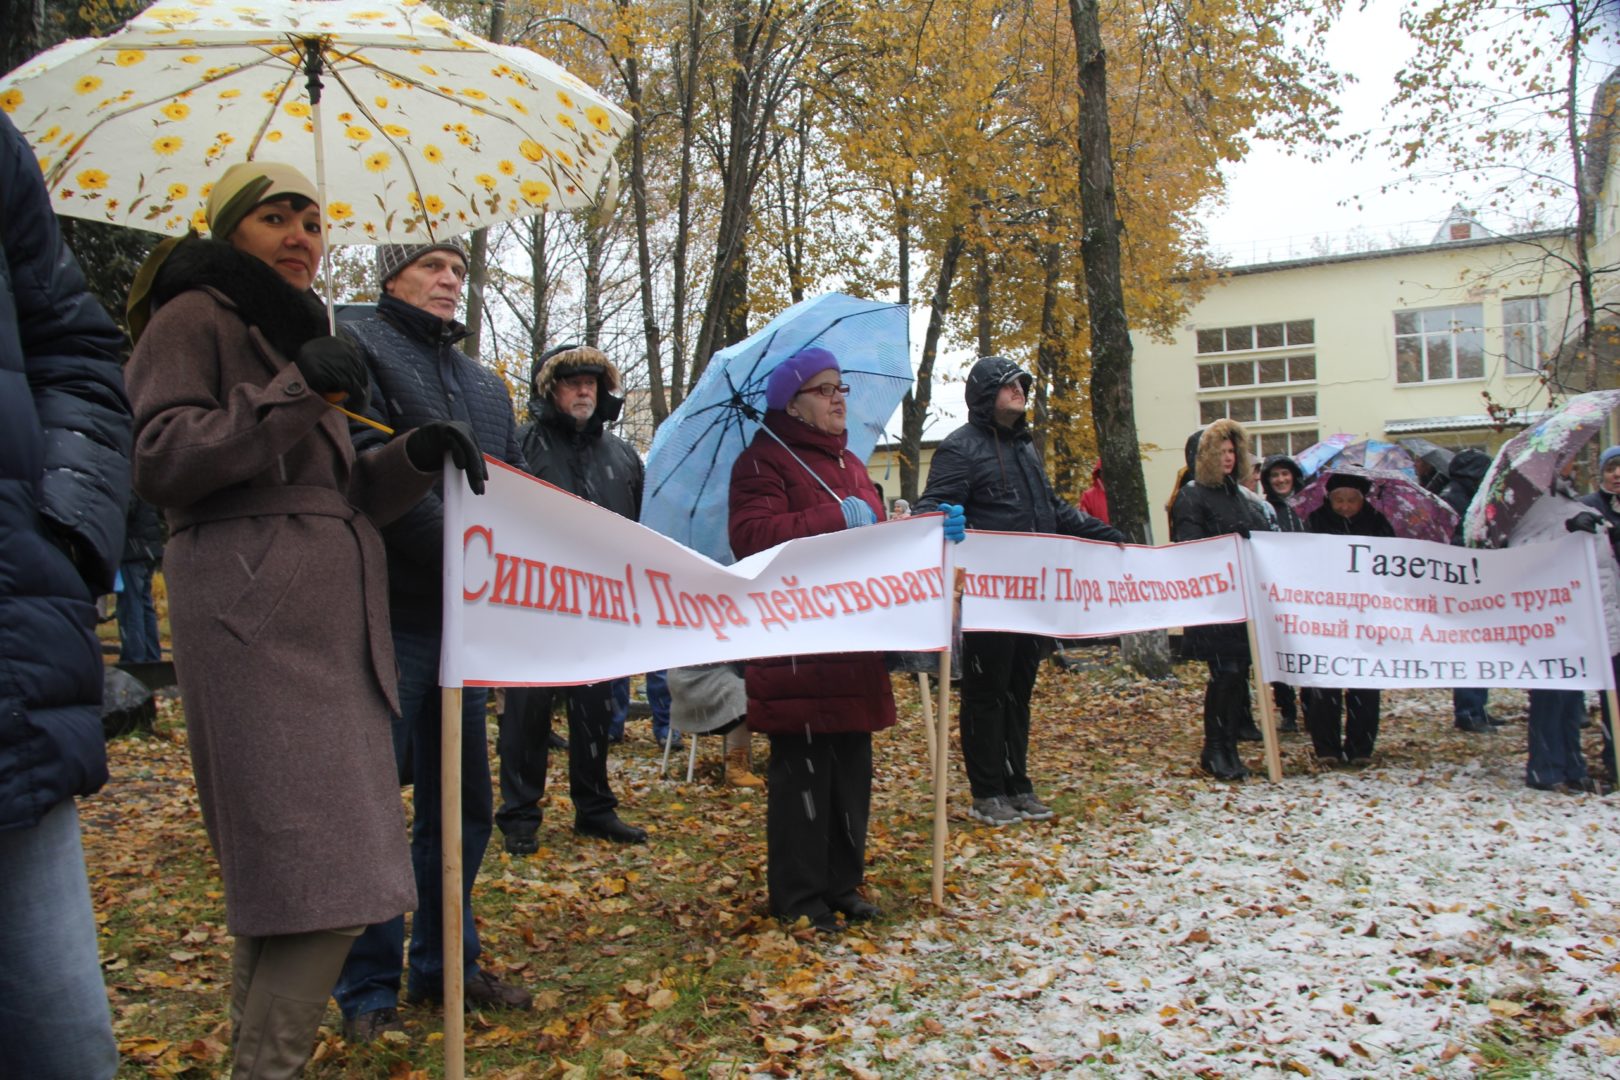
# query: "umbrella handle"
[[312, 68], [813, 474]]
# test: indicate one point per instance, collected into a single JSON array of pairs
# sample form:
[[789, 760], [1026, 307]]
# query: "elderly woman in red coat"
[[798, 479]]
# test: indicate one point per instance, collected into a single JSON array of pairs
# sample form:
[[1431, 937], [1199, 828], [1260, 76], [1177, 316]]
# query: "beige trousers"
[[279, 987]]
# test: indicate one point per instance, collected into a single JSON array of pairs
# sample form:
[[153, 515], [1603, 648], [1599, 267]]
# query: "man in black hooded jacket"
[[989, 467], [566, 443]]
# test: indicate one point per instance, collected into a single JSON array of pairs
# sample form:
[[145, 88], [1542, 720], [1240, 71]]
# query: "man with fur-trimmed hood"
[[1214, 503], [566, 443]]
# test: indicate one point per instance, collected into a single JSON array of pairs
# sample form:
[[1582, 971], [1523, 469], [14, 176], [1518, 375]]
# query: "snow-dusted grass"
[[1389, 922]]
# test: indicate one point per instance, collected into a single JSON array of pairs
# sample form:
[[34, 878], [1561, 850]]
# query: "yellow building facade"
[[1448, 341]]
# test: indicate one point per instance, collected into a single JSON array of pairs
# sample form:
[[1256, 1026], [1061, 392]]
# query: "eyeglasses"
[[827, 390]]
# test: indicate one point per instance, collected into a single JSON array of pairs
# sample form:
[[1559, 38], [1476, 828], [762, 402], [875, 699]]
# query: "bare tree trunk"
[[478, 255], [914, 409], [686, 78], [595, 242], [1050, 353], [1112, 405], [644, 269], [540, 274], [981, 297]]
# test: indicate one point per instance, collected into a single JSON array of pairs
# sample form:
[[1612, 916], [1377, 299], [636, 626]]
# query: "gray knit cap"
[[392, 258]]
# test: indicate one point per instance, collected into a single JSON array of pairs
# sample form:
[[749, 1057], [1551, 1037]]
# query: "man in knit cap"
[[417, 376]]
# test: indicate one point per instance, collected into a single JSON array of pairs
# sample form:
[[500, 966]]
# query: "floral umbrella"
[[1413, 511], [434, 131], [1523, 469]]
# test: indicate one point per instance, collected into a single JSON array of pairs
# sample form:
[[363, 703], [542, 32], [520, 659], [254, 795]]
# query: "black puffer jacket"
[[1467, 470], [64, 482], [418, 375], [590, 462], [1212, 504], [993, 473], [1287, 520]]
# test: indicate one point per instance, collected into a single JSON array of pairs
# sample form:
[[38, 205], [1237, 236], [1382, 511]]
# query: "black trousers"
[[998, 677], [1226, 700], [525, 750], [1359, 708], [818, 799]]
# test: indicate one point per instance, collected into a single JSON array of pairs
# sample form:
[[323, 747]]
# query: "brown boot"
[[738, 773]]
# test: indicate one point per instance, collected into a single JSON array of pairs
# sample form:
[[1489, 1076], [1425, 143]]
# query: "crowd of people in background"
[[302, 557]]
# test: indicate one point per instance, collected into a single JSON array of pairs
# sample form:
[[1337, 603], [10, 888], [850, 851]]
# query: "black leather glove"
[[333, 369], [1586, 521], [427, 445], [1241, 530]]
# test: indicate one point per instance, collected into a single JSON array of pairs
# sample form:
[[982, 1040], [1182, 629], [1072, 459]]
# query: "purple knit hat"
[[784, 381]]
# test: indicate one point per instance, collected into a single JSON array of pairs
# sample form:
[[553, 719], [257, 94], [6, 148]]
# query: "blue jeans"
[[1555, 738], [137, 616], [54, 1022], [370, 978], [621, 708], [658, 700]]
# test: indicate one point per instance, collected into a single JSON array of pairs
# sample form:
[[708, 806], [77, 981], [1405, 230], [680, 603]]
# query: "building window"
[[1440, 344], [1276, 335], [1262, 372], [1247, 410], [1284, 442], [1523, 339]]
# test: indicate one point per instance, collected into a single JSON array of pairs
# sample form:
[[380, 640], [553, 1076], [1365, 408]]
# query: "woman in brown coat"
[[278, 596]]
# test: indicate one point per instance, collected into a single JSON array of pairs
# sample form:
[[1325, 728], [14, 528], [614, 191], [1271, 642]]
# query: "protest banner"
[[1064, 587], [1354, 611], [551, 590]]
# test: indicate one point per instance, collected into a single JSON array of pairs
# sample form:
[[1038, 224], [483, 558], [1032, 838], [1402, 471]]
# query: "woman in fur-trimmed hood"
[[1215, 504]]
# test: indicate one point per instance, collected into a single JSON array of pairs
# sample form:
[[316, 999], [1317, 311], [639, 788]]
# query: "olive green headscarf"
[[244, 186]]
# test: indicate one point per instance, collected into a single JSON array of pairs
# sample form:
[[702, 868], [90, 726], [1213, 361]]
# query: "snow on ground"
[[1390, 922]]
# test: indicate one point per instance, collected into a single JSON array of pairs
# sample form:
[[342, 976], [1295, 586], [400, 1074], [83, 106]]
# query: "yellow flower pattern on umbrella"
[[130, 128]]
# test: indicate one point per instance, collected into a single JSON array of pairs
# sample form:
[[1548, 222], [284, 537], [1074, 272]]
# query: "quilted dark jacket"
[[993, 473], [64, 481], [418, 375]]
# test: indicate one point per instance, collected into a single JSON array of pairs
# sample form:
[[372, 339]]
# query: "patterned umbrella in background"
[[1311, 459]]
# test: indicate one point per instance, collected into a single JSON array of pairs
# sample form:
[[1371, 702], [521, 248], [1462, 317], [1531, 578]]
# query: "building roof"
[[1393, 253], [1468, 422]]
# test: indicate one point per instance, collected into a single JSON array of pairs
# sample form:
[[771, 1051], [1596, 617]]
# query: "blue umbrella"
[[689, 467]]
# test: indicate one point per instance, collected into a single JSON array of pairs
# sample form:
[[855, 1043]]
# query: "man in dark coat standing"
[[989, 467], [566, 443], [64, 479], [138, 641], [1465, 474], [419, 376]]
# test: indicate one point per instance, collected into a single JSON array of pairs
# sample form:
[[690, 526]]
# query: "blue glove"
[[857, 512], [955, 522]]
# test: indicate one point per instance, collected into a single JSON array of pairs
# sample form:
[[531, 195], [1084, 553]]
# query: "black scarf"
[[286, 316]]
